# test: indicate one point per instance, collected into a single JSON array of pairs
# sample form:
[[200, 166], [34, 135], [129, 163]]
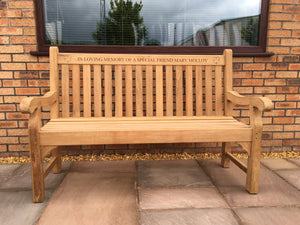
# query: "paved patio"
[[183, 192]]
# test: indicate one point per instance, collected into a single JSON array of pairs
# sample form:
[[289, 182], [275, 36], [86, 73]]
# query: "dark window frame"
[[260, 50]]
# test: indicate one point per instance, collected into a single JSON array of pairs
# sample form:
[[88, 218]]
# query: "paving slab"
[[291, 176], [175, 173], [94, 196], [178, 198], [189, 217], [273, 190], [296, 161], [278, 164], [16, 207], [269, 216], [6, 170], [22, 178]]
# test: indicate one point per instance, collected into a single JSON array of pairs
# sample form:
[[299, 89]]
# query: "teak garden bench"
[[100, 99]]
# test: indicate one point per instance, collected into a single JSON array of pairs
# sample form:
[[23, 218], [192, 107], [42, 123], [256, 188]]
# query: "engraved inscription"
[[141, 59]]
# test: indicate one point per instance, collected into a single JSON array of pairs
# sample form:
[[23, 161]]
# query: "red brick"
[[283, 135], [295, 50], [277, 97], [7, 91], [16, 116], [4, 40], [263, 90], [291, 25], [30, 48], [26, 75], [6, 107], [17, 132], [22, 22], [16, 148], [280, 17], [273, 128], [292, 9], [296, 34], [279, 50], [21, 5], [30, 31], [275, 82], [274, 25], [37, 66], [5, 58], [295, 97], [287, 89], [279, 33], [277, 66], [283, 120], [10, 13], [295, 112], [24, 58], [8, 124], [13, 66], [285, 105], [281, 2], [242, 74], [29, 13], [274, 112], [286, 74], [252, 82], [291, 127], [14, 83], [13, 99], [273, 41], [291, 142], [264, 74], [9, 140], [275, 8], [11, 48], [294, 66], [3, 22], [23, 40], [38, 83], [11, 31], [254, 66], [27, 91], [271, 143]]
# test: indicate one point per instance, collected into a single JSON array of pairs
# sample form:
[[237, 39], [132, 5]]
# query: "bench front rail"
[[128, 99]]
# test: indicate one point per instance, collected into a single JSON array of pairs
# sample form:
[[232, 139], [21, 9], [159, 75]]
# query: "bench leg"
[[57, 154], [253, 167], [37, 170], [225, 161]]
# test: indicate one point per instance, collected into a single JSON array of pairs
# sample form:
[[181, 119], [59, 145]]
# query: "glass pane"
[[153, 22]]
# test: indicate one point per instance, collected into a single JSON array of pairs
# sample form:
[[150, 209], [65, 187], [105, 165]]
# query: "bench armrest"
[[30, 104], [261, 103]]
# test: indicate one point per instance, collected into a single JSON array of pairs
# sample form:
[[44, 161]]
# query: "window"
[[153, 26]]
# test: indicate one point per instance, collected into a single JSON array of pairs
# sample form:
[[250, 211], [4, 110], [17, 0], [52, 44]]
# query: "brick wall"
[[277, 77]]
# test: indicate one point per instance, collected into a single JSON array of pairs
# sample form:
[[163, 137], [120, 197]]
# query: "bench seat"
[[134, 130]]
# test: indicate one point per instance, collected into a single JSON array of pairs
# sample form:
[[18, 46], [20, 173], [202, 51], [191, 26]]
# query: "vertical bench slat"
[[169, 91], [149, 91], [179, 91], [97, 91], [139, 90], [76, 90], [159, 91], [199, 92], [129, 97], [54, 79], [208, 90], [219, 91], [118, 88], [87, 91], [65, 91], [108, 90], [189, 91]]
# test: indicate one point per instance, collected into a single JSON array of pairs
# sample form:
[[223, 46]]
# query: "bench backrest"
[[117, 85]]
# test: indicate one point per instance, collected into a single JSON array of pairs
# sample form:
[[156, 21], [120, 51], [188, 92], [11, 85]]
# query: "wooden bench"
[[100, 99]]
